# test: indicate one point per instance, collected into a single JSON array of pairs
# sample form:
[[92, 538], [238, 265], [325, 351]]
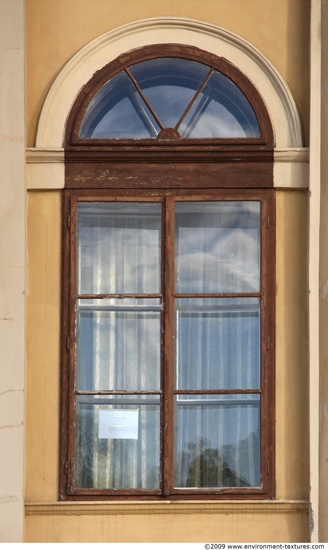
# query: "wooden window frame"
[[228, 154], [266, 296], [144, 170]]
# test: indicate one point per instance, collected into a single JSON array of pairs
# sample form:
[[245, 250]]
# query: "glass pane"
[[220, 111], [217, 441], [169, 84], [118, 111], [217, 343], [119, 247], [218, 246], [118, 344], [117, 442]]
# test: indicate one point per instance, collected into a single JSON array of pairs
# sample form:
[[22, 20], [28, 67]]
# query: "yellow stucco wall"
[[291, 346], [43, 333], [57, 29], [196, 523]]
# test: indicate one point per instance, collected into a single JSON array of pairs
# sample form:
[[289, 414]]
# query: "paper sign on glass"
[[118, 424]]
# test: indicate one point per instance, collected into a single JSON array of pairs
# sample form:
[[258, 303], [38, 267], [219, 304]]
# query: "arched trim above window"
[[79, 70]]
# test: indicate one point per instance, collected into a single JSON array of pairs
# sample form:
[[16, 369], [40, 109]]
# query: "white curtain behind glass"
[[119, 342], [217, 344]]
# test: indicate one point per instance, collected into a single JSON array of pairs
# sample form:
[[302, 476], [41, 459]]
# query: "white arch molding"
[[107, 47], [45, 161]]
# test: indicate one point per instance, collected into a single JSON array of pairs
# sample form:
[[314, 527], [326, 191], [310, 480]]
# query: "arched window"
[[168, 301], [169, 98]]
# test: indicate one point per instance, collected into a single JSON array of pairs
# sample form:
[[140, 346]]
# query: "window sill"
[[165, 507]]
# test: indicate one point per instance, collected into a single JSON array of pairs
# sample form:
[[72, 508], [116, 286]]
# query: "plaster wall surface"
[[12, 269]]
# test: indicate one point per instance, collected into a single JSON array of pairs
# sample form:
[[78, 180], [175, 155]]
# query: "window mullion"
[[168, 346], [142, 95], [193, 99], [267, 342]]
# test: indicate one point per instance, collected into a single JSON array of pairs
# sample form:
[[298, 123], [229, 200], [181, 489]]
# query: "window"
[[168, 295], [145, 100]]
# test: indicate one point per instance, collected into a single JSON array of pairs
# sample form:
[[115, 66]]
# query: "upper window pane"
[[217, 246], [164, 93], [119, 248]]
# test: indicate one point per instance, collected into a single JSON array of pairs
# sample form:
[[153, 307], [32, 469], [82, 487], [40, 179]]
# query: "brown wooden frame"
[[165, 170], [266, 295], [215, 162]]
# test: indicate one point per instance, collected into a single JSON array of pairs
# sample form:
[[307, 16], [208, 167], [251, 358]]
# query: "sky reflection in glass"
[[218, 246], [221, 110], [118, 111], [169, 86]]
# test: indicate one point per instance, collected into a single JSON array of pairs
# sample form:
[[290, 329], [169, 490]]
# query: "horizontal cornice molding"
[[294, 154], [36, 155]]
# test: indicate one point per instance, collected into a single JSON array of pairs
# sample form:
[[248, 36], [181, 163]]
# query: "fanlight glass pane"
[[217, 441], [217, 343], [218, 246], [170, 90], [117, 111], [169, 85], [118, 247], [118, 343], [117, 443], [220, 111]]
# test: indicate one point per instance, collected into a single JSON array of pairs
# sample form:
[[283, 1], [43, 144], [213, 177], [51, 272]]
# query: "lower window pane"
[[117, 442], [217, 441]]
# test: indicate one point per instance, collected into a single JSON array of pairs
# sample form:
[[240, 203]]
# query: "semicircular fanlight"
[[173, 97]]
